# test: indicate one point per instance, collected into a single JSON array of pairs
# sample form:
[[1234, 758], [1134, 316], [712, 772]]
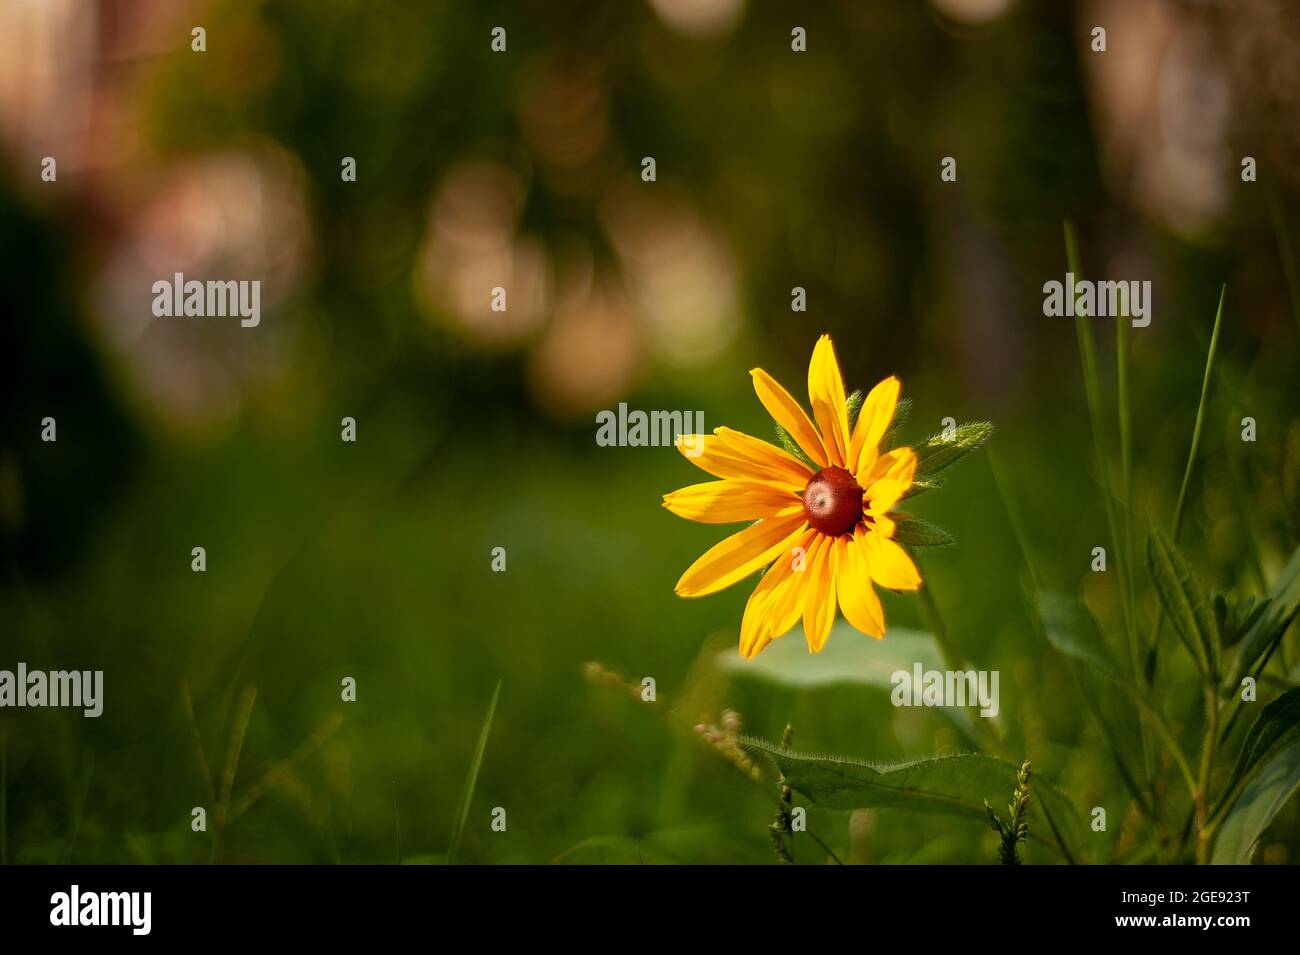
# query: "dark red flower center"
[[833, 502]]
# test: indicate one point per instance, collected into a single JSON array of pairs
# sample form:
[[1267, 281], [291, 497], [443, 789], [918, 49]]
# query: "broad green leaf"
[[471, 779], [1268, 628], [848, 658], [1184, 599], [915, 532], [1072, 629], [945, 785], [938, 453], [1277, 728], [1255, 808]]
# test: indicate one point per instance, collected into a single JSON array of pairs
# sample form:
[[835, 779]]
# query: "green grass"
[[471, 778]]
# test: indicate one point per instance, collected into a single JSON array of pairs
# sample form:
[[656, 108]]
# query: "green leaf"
[[945, 785], [915, 532], [853, 405], [902, 411], [471, 780], [1254, 809], [1276, 729], [1184, 599], [920, 486], [938, 453], [848, 658], [1072, 629], [1269, 627], [1235, 617], [792, 446]]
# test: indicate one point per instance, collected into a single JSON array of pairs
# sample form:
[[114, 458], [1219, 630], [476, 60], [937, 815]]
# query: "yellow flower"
[[826, 530]]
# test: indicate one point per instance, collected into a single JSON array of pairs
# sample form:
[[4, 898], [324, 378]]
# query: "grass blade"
[[1200, 415], [1125, 420], [1191, 462], [1129, 549], [239, 729], [187, 701], [1017, 524], [471, 780], [1092, 391]]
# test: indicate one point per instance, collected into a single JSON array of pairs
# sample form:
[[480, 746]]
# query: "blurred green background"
[[522, 169]]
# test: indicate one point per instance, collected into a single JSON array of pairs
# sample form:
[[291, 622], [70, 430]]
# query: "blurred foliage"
[[372, 560]]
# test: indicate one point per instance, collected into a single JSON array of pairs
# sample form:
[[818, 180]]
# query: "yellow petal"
[[853, 587], [741, 554], [786, 412], [819, 601], [889, 564], [873, 420], [889, 479], [729, 501], [755, 626], [781, 464], [786, 601], [715, 455], [753, 623], [826, 392]]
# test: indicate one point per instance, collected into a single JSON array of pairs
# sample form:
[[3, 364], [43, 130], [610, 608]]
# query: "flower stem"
[[781, 826]]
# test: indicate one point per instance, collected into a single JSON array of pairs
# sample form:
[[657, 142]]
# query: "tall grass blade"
[[1200, 416], [1092, 391], [1187, 471], [1017, 524], [1120, 539], [243, 713], [187, 702], [471, 780]]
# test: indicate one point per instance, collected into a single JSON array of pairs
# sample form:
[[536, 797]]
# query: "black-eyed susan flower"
[[822, 523]]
